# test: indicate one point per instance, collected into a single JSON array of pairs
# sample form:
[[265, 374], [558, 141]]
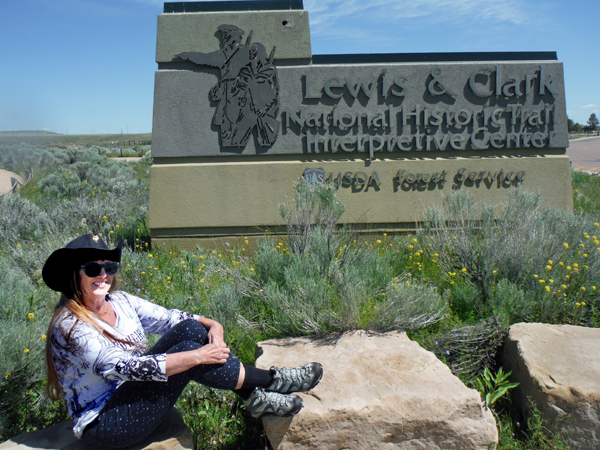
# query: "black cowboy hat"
[[64, 261]]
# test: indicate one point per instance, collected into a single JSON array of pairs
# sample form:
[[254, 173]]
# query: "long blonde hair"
[[77, 308]]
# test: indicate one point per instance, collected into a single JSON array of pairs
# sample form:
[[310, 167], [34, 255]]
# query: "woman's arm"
[[216, 353]]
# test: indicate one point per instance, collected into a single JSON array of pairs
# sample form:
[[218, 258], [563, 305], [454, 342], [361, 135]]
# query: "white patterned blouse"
[[91, 367]]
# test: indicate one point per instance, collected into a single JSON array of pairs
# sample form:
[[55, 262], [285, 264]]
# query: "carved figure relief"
[[247, 93]]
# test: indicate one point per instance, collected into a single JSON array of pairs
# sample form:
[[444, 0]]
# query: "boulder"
[[60, 437], [558, 367], [379, 391]]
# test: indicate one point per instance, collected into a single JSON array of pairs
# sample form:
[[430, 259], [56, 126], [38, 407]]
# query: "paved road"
[[5, 176], [585, 154]]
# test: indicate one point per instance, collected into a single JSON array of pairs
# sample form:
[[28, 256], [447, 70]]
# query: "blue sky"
[[87, 66]]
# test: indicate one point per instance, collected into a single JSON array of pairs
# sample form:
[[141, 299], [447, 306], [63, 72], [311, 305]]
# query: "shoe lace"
[[294, 373], [275, 399]]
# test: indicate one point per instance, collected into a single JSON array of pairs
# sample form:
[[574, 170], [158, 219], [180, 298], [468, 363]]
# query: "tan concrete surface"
[[199, 199]]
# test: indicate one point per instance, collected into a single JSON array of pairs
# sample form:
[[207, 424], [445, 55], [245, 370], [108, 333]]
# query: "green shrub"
[[548, 255], [327, 280]]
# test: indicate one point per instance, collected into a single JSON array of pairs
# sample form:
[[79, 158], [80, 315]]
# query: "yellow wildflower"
[[30, 316], [26, 350]]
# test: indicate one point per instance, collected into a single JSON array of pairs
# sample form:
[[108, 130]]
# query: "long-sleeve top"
[[90, 366]]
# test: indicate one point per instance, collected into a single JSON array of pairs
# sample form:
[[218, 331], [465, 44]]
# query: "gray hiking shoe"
[[296, 379], [261, 403]]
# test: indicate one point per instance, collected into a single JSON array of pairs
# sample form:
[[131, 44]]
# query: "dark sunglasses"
[[93, 269]]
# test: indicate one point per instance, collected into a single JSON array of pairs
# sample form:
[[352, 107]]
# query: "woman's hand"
[[215, 330], [213, 354], [216, 333], [209, 354]]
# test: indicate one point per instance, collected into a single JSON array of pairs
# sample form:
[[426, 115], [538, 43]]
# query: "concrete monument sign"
[[242, 109]]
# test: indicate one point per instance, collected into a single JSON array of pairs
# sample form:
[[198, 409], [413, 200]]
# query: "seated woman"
[[117, 391]]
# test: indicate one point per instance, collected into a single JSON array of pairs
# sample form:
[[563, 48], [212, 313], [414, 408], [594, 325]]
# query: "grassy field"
[[468, 276], [86, 140]]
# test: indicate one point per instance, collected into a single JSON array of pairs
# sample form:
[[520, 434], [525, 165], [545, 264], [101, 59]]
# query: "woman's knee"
[[191, 330]]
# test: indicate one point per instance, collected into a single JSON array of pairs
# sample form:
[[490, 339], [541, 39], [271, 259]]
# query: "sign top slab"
[[191, 27], [264, 5]]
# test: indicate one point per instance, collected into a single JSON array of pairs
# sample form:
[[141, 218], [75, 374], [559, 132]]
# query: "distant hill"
[[28, 133]]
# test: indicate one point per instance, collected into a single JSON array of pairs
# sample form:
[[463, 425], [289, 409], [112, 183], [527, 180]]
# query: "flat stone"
[[378, 392], [558, 366], [61, 437]]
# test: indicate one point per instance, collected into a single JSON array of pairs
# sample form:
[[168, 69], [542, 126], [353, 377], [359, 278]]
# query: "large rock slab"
[[61, 437], [558, 366], [378, 392]]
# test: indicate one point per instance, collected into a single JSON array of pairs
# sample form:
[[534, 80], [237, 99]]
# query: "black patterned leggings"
[[137, 408]]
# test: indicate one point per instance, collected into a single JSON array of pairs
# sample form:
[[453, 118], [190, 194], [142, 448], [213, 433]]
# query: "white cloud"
[[589, 106], [332, 17]]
